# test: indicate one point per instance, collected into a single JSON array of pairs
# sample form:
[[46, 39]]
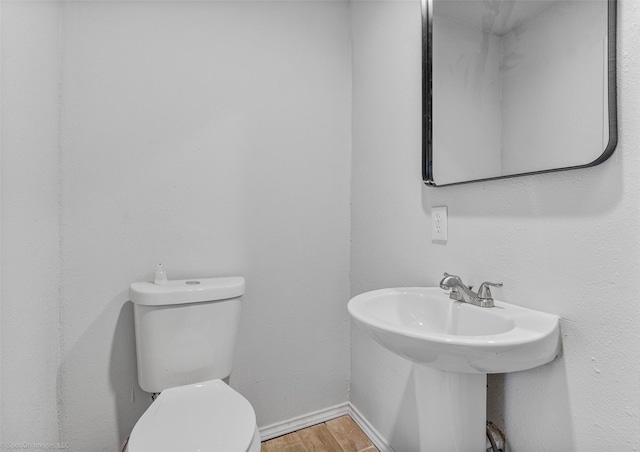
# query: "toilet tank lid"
[[182, 291]]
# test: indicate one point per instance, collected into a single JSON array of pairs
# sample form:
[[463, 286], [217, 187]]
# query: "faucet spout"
[[459, 290], [450, 281]]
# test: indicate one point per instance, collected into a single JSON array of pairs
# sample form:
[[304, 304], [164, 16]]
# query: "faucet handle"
[[484, 293]]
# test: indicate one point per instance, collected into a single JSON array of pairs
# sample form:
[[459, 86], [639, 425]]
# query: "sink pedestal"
[[451, 410]]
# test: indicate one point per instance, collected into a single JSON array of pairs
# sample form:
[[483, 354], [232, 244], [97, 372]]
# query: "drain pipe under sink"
[[496, 440]]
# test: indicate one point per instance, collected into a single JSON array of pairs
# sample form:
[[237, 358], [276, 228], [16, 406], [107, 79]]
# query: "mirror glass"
[[515, 87]]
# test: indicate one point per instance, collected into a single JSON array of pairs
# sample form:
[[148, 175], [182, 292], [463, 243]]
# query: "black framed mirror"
[[516, 87]]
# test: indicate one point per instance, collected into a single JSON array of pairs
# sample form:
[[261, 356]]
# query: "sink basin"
[[424, 325], [454, 345]]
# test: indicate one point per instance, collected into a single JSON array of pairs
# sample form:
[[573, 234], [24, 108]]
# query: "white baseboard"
[[369, 430], [304, 421], [307, 420]]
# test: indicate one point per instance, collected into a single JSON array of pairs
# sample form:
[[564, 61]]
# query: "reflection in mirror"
[[517, 87]]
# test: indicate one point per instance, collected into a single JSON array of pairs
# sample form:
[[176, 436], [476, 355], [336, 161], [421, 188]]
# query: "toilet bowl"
[[202, 417]]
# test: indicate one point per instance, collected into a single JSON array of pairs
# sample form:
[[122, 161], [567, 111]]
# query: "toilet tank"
[[185, 330]]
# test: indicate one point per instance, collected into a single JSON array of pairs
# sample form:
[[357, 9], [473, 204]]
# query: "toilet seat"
[[208, 416]]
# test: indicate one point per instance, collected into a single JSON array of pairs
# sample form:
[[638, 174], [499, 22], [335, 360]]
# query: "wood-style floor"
[[337, 435]]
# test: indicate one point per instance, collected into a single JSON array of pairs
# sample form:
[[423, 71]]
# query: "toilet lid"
[[202, 417]]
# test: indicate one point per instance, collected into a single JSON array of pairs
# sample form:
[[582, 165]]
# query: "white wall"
[[565, 243], [30, 251], [211, 136]]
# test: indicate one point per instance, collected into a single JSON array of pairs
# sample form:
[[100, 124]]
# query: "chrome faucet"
[[461, 292]]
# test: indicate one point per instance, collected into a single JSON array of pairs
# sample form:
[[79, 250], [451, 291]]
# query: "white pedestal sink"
[[455, 345]]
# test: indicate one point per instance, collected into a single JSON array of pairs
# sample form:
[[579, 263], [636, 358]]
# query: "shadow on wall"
[[131, 401], [545, 390], [584, 192], [95, 410]]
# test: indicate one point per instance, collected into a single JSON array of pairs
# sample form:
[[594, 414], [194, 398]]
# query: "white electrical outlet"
[[439, 224]]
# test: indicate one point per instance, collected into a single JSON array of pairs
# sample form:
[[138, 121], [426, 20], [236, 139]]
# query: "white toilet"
[[185, 340]]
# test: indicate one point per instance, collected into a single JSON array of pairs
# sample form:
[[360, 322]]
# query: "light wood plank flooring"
[[337, 435]]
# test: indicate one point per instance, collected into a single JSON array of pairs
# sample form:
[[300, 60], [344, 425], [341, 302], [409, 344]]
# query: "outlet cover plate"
[[439, 224]]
